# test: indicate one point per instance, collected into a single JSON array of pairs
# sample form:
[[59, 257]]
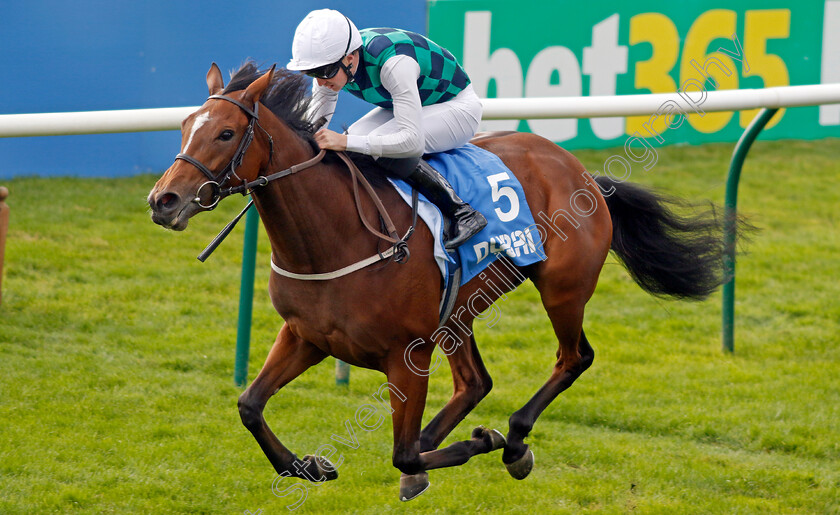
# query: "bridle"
[[216, 181], [399, 246]]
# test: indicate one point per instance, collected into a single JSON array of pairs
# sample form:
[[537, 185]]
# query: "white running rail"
[[141, 120]]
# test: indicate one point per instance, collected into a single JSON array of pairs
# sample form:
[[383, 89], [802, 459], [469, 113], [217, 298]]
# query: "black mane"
[[286, 95]]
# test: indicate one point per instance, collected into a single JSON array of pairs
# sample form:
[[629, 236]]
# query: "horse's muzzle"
[[170, 210]]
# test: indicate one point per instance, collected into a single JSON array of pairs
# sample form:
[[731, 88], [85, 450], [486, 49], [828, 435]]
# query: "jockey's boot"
[[465, 221]]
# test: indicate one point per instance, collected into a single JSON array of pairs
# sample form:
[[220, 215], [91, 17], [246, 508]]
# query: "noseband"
[[215, 181]]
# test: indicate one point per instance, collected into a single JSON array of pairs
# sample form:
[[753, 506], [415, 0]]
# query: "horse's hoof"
[[326, 471], [414, 485], [520, 468], [497, 439]]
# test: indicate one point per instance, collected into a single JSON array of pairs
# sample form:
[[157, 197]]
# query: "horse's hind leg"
[[471, 383], [289, 357], [574, 356]]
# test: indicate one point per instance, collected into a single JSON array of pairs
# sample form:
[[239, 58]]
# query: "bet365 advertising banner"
[[546, 48]]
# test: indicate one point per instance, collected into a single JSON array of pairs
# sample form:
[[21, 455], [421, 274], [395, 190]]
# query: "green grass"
[[116, 358]]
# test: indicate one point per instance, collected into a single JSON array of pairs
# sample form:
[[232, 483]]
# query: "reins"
[[247, 188], [263, 180], [392, 237], [399, 244]]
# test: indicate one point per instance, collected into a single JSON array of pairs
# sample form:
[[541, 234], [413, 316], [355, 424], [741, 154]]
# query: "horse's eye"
[[226, 135]]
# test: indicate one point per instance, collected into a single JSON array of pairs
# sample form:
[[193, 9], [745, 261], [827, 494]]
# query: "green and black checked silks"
[[441, 77]]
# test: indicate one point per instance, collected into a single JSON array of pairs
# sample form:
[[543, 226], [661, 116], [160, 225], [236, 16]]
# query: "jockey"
[[425, 103]]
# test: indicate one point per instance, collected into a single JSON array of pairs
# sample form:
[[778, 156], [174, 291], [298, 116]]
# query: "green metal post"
[[246, 297], [342, 373], [730, 222], [4, 228]]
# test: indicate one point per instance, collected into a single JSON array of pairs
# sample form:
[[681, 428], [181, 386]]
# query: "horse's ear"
[[255, 91], [215, 84]]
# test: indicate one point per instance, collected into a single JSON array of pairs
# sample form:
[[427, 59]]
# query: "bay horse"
[[385, 316]]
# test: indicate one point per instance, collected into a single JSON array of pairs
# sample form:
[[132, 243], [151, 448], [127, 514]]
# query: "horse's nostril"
[[167, 201]]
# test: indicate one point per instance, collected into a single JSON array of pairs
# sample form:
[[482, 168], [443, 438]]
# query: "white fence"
[[141, 120]]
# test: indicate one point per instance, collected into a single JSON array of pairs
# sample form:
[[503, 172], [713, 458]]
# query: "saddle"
[[481, 179]]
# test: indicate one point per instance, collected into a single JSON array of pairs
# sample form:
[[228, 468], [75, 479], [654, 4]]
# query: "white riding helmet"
[[322, 38]]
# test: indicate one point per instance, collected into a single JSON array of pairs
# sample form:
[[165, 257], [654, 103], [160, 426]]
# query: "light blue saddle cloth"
[[482, 179]]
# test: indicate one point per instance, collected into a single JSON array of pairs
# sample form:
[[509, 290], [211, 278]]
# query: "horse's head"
[[214, 153]]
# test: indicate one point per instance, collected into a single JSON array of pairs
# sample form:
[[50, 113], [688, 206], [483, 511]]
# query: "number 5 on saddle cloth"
[[481, 179]]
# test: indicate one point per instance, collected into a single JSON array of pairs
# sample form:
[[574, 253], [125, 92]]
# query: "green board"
[[533, 48]]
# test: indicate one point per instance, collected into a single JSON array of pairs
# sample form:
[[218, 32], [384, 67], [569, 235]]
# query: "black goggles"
[[327, 71]]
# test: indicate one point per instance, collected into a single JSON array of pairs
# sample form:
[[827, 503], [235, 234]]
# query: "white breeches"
[[444, 126]]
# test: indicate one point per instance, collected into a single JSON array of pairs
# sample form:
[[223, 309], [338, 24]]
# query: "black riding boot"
[[466, 221]]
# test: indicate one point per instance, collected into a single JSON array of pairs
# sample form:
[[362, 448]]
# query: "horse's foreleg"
[[408, 399], [289, 357], [471, 383], [407, 391], [483, 441]]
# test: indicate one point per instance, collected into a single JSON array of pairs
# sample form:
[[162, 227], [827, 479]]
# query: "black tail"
[[665, 253]]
